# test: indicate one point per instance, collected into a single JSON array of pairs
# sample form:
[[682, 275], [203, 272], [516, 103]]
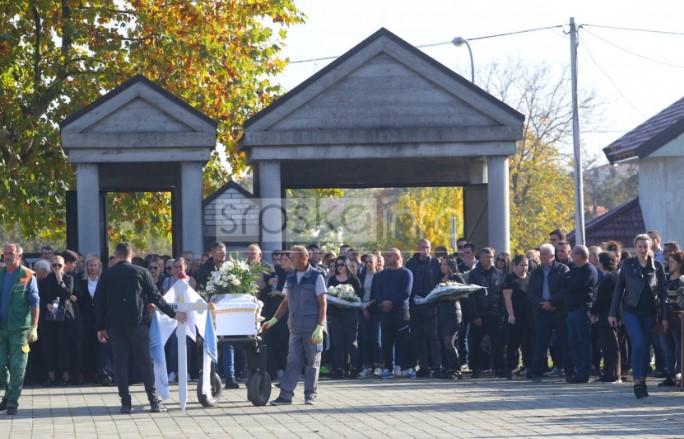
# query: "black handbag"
[[57, 314]]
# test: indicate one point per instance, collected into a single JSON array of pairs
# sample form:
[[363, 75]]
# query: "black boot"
[[126, 407], [231, 384], [640, 390], [157, 406]]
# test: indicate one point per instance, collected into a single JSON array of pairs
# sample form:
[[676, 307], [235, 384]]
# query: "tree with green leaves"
[[58, 56]]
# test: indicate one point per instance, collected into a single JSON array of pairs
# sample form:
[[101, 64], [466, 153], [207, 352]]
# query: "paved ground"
[[485, 408]]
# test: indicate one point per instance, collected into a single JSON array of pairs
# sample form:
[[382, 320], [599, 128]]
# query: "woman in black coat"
[[449, 320], [343, 323], [62, 331]]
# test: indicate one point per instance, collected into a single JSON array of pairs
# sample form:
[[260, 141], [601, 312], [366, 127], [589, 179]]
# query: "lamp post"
[[460, 41]]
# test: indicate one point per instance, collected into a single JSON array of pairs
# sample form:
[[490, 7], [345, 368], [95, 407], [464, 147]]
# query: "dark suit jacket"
[[86, 304], [535, 288]]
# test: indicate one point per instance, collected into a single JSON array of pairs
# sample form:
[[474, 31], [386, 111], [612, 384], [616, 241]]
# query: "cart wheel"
[[213, 400], [259, 388]]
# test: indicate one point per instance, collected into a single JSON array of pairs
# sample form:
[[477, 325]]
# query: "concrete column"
[[191, 207], [88, 208], [498, 207], [272, 215]]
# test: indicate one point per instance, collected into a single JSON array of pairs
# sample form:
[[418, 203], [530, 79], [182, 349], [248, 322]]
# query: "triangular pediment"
[[138, 116], [139, 121], [139, 105], [384, 93], [387, 85]]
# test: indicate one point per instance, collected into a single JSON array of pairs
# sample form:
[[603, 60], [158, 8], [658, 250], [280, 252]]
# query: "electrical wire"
[[444, 43], [638, 55], [586, 48], [635, 29]]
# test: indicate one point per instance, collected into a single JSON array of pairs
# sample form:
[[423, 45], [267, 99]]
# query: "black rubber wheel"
[[259, 388], [215, 391]]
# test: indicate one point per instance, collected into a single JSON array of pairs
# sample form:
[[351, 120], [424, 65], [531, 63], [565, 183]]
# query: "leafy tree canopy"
[[57, 56]]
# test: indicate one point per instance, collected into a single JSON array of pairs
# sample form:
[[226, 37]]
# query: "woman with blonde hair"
[[641, 287]]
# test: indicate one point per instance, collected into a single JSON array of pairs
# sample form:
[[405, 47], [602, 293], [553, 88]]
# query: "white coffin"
[[236, 315]]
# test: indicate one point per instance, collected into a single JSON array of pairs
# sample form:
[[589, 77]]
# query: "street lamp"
[[458, 42]]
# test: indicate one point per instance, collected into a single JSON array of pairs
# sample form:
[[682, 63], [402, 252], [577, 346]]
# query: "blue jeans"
[[638, 329], [546, 323], [579, 342], [228, 361]]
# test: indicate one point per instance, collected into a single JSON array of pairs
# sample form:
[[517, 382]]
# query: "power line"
[[602, 70], [444, 43], [635, 29], [638, 55], [605, 131]]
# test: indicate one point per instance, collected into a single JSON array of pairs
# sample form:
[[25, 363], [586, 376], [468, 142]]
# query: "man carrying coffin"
[[121, 300], [305, 299]]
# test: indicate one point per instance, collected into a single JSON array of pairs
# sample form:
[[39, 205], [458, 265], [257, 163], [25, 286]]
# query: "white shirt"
[[92, 286], [367, 282], [320, 288]]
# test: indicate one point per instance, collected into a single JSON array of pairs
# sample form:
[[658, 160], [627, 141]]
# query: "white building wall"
[[661, 195]]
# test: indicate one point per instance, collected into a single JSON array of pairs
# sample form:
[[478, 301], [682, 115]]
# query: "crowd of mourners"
[[555, 311]]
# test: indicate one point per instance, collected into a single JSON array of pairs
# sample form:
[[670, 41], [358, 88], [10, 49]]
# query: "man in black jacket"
[[485, 313], [121, 315], [578, 293], [426, 275], [549, 312]]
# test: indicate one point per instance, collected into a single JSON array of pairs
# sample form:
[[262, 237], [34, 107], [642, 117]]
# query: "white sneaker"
[[172, 377], [377, 372], [363, 373], [397, 371]]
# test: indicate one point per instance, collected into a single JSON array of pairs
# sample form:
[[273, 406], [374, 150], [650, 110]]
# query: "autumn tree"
[[57, 56], [541, 186], [422, 213]]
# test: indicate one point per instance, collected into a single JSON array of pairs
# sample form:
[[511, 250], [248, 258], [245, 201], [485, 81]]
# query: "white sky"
[[333, 27]]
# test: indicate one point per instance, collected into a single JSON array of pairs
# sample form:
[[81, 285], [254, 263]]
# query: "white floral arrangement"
[[450, 290], [236, 277], [344, 296]]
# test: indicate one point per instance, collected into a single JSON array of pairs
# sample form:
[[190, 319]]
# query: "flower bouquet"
[[448, 291], [232, 291], [678, 294], [344, 296], [235, 277]]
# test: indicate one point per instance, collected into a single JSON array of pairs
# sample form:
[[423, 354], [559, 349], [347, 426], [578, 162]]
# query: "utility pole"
[[579, 185]]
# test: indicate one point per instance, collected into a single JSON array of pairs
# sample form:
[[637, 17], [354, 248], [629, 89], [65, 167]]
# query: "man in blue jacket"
[[393, 290], [578, 293]]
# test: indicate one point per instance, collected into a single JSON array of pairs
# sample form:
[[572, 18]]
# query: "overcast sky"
[[631, 86]]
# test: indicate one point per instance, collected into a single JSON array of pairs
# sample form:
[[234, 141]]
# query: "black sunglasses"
[[57, 265]]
